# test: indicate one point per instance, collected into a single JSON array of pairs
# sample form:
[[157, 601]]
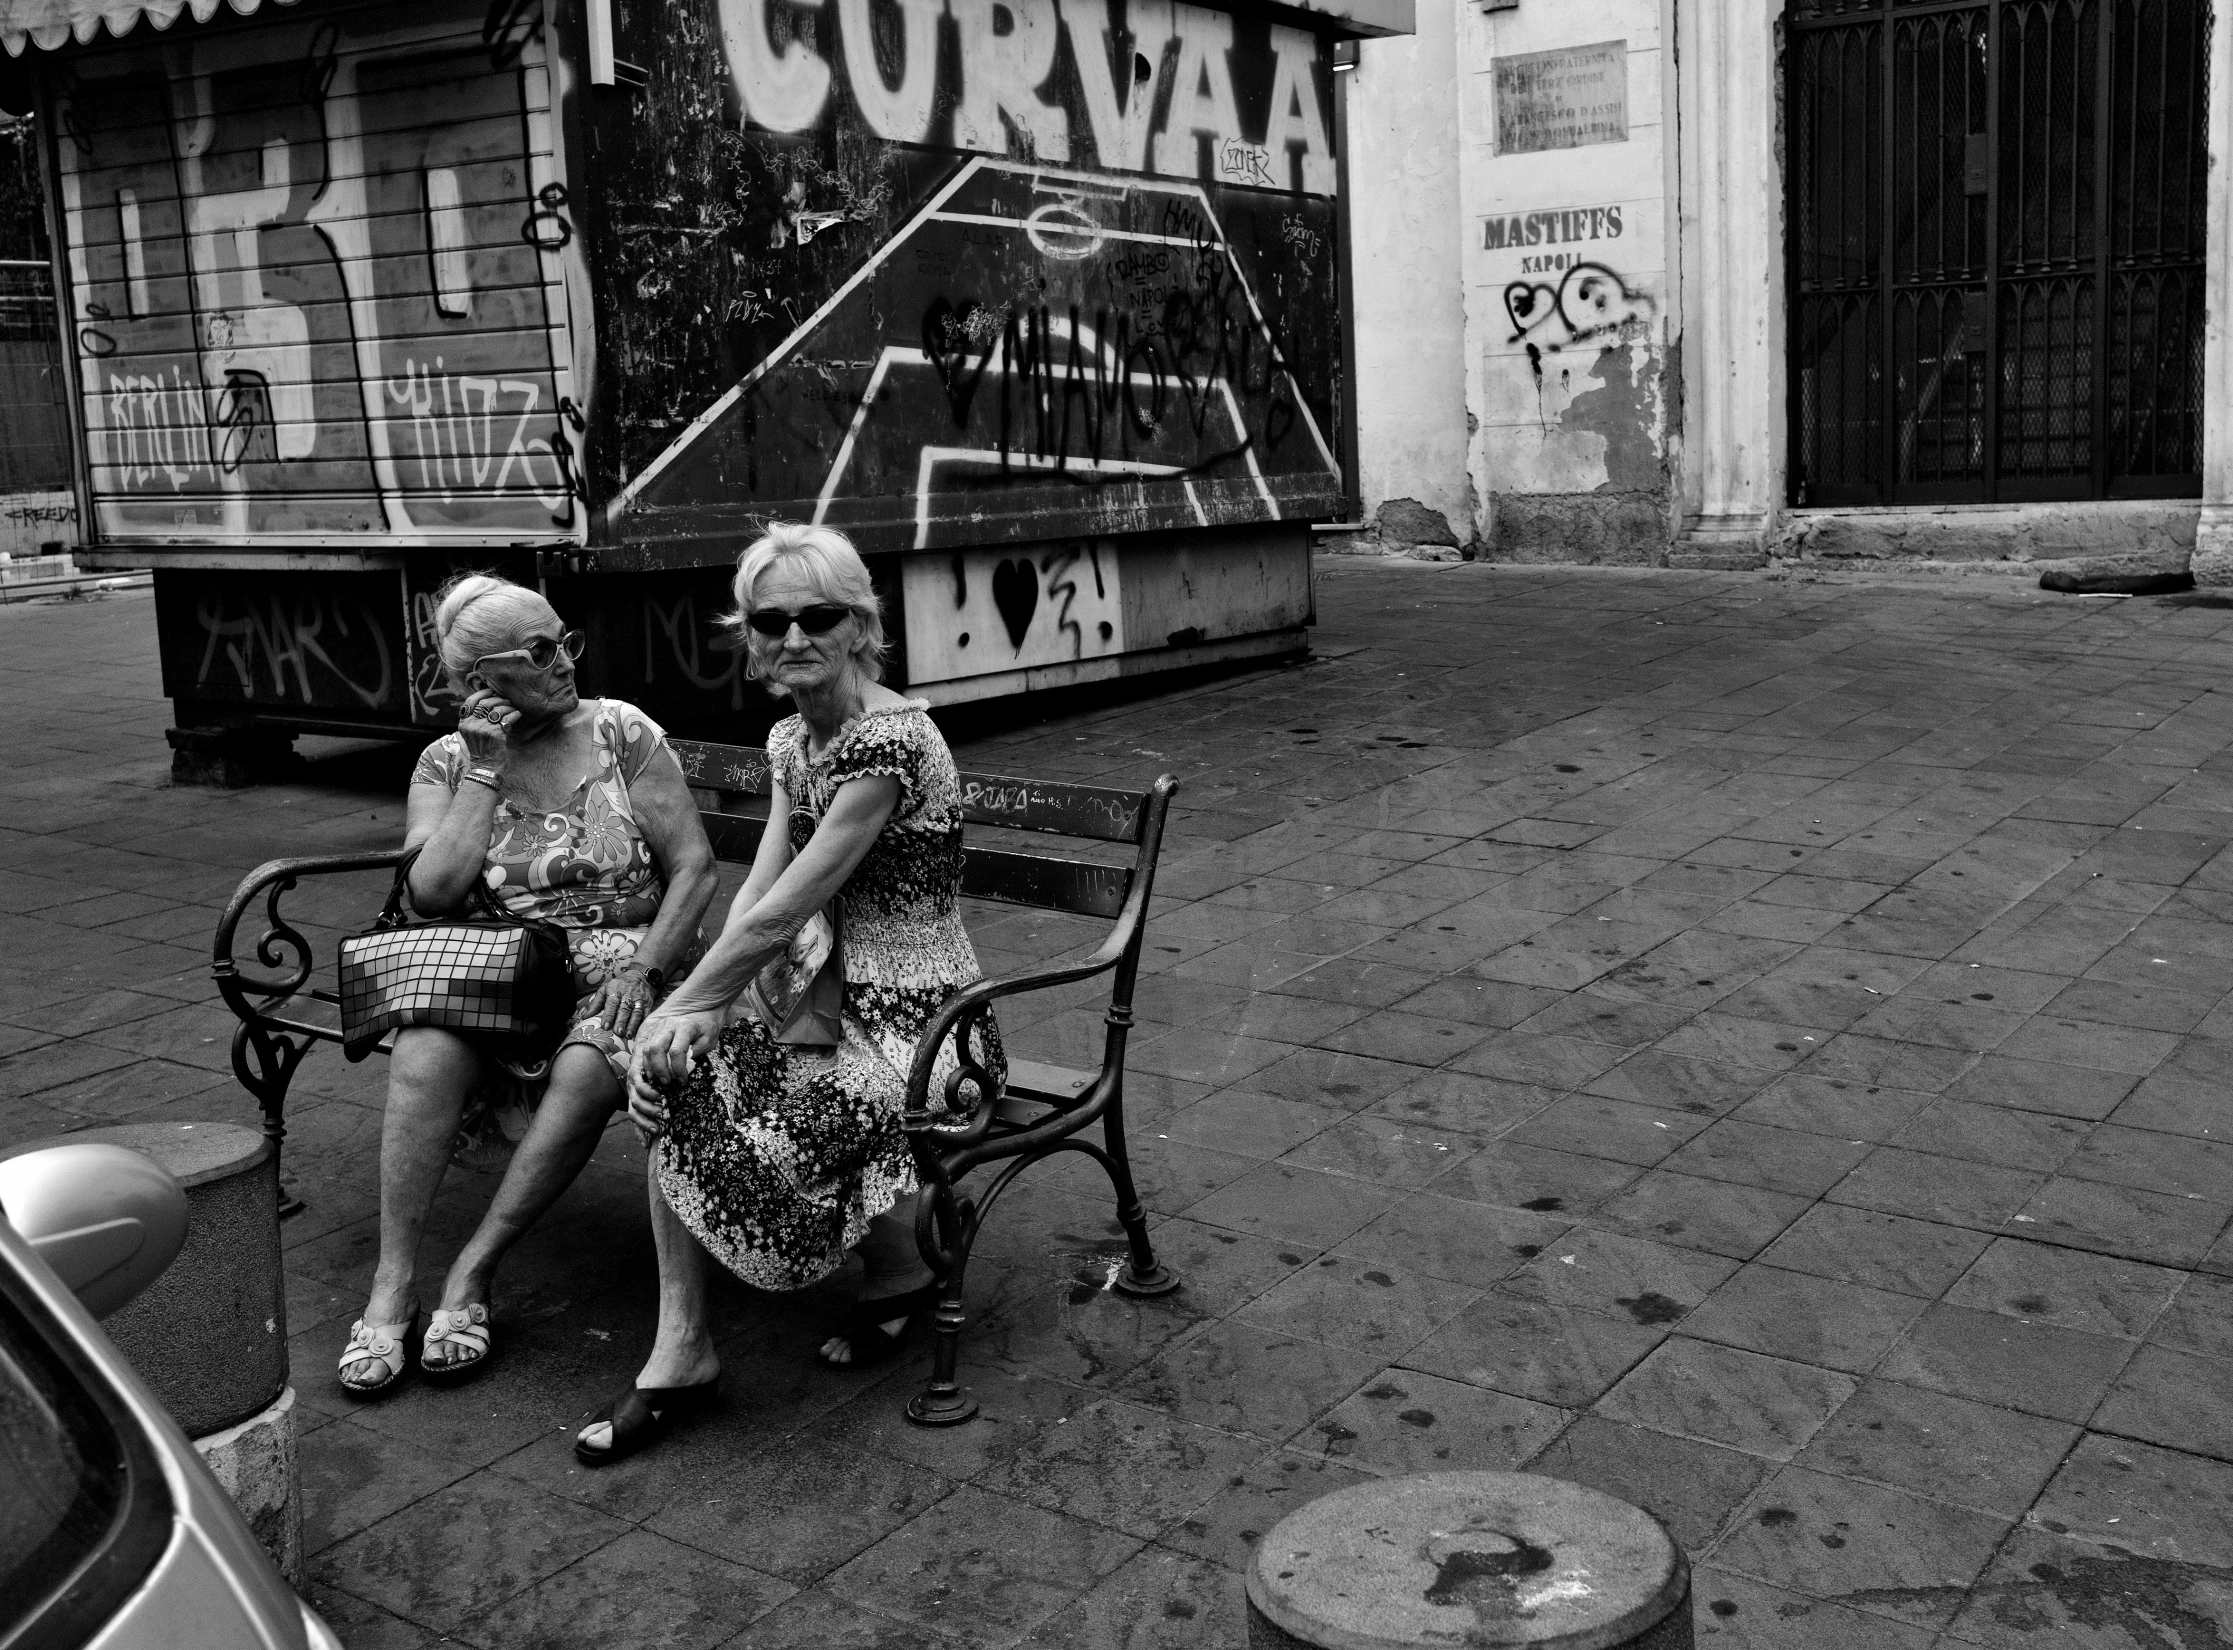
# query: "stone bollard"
[[1485, 1559], [209, 1337], [256, 1463]]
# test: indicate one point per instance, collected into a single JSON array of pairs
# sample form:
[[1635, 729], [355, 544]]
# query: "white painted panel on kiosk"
[[975, 612]]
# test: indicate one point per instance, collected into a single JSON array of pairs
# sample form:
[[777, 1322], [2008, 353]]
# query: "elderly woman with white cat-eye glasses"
[[567, 810]]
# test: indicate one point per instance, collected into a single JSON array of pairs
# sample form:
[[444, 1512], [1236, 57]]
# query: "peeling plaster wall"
[[1569, 304], [1608, 444], [1408, 289]]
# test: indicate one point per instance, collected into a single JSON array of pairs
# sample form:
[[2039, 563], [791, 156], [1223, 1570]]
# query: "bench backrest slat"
[[1092, 811], [1076, 885], [730, 784], [1038, 805], [722, 767]]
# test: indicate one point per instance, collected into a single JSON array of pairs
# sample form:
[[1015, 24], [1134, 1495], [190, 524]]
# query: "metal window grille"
[[34, 406], [1996, 249]]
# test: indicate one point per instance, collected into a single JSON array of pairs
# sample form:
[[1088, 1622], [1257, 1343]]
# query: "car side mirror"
[[107, 1220]]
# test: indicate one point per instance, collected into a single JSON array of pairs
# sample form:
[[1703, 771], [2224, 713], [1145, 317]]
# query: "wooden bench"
[[1039, 1111]]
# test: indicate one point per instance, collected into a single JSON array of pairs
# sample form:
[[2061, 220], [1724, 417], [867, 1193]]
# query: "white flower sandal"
[[380, 1343], [467, 1329]]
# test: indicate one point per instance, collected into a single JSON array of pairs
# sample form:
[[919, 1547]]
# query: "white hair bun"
[[477, 614], [462, 592]]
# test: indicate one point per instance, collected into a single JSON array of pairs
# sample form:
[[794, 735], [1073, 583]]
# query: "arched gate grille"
[[1996, 237]]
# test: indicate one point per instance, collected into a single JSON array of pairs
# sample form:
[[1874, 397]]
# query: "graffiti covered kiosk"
[[1036, 299]]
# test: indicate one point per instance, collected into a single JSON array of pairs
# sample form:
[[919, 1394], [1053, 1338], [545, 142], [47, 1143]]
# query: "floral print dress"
[[777, 1156], [586, 867]]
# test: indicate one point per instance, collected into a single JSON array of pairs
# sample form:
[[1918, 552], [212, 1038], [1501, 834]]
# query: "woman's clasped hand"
[[671, 1043]]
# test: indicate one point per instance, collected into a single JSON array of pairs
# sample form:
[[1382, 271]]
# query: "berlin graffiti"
[[944, 272], [314, 282]]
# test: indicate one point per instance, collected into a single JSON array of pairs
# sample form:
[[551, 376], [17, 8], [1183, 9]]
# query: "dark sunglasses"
[[543, 651], [819, 620]]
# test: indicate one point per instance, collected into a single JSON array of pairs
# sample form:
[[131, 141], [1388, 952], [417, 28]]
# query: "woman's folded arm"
[[450, 830], [799, 886]]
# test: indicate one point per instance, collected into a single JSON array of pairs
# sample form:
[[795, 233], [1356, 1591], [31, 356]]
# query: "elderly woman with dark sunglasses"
[[779, 1155], [563, 809]]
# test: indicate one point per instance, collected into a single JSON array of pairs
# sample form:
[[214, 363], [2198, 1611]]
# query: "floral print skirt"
[[777, 1157]]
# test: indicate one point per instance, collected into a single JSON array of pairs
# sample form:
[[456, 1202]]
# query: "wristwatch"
[[652, 976]]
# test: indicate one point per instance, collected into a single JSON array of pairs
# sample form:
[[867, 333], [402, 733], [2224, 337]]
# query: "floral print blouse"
[[587, 865], [903, 927]]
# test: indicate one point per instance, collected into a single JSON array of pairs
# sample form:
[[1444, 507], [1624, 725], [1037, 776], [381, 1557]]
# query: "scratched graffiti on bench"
[[1020, 800], [736, 772], [315, 285]]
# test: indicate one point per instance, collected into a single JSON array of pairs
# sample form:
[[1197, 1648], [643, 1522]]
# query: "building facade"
[[1704, 282]]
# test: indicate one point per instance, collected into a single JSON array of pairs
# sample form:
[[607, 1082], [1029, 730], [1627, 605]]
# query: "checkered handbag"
[[495, 976]]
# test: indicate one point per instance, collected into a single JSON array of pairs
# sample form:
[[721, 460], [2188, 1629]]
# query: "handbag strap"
[[392, 914]]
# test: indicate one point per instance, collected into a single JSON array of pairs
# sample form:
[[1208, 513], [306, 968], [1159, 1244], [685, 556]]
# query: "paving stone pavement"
[[1756, 1047]]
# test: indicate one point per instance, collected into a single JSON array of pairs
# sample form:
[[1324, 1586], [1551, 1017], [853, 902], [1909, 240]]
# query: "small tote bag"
[[494, 976], [800, 997]]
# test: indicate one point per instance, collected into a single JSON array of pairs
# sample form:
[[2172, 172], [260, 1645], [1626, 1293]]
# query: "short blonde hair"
[[476, 614], [831, 565]]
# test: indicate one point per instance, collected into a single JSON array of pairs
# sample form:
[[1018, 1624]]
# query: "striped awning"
[[51, 23]]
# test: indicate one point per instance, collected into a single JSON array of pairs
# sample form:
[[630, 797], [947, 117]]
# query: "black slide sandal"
[[640, 1417], [863, 1328]]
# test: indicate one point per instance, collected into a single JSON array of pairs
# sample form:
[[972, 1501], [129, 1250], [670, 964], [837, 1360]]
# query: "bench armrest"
[[966, 1118], [281, 945]]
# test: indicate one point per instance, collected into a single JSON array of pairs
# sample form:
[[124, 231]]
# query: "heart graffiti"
[[1015, 592], [1590, 301], [952, 338]]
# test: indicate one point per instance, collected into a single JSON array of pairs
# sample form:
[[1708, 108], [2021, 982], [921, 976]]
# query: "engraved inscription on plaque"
[[1562, 99]]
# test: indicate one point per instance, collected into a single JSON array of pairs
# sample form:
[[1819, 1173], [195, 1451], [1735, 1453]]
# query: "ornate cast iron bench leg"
[[1142, 1274], [971, 1124], [276, 1057], [943, 1403]]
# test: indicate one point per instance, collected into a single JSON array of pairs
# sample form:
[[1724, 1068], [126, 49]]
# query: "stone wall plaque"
[[1562, 99]]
